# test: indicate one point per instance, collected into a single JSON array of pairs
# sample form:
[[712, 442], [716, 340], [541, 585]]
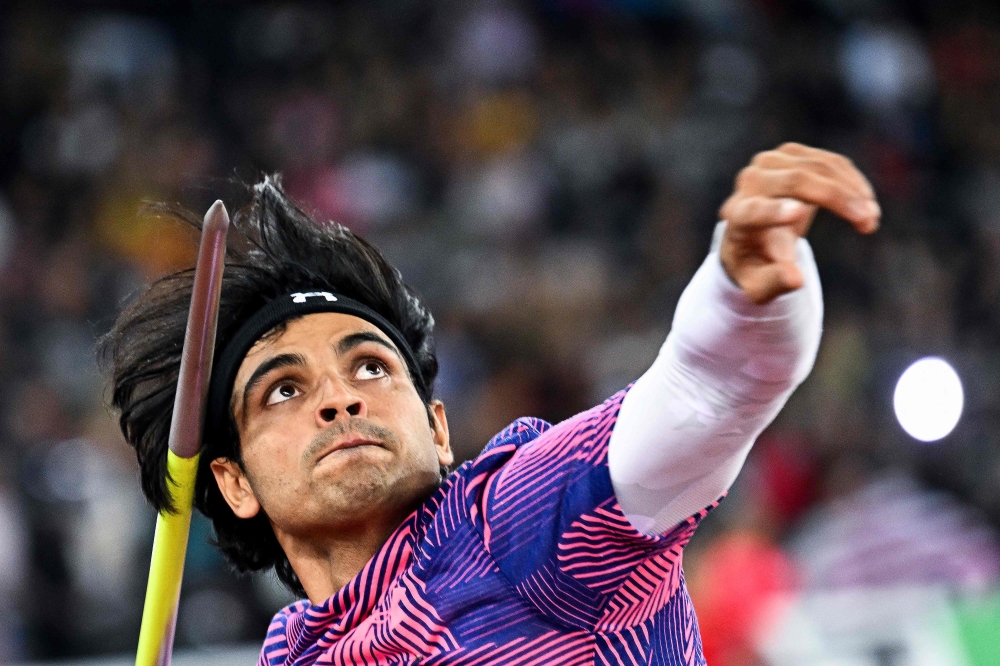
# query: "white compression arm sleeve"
[[723, 374]]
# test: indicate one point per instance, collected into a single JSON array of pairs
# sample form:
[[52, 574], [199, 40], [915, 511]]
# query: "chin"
[[371, 490], [355, 487]]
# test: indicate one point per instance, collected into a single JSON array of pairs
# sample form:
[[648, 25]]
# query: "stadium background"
[[547, 176]]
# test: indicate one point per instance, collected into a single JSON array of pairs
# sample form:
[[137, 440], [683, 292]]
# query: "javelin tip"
[[217, 217]]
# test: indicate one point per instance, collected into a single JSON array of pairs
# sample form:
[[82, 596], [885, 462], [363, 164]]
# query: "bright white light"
[[928, 399]]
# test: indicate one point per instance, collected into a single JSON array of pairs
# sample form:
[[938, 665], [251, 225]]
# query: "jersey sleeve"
[[554, 528]]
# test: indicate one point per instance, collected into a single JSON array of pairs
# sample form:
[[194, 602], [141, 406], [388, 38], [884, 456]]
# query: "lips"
[[351, 442]]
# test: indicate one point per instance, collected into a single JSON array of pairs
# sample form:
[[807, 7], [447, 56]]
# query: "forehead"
[[312, 330]]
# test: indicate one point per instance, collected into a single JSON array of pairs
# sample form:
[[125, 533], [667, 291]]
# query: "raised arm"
[[744, 336]]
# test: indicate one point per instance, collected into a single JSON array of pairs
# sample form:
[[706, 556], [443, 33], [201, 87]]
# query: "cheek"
[[400, 409], [272, 452], [419, 438]]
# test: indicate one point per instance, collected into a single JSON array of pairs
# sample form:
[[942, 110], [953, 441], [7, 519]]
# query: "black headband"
[[279, 310]]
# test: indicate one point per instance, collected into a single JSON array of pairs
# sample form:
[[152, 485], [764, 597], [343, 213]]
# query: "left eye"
[[370, 370]]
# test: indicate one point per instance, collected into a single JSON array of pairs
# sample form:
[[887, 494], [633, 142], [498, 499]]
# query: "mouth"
[[350, 442]]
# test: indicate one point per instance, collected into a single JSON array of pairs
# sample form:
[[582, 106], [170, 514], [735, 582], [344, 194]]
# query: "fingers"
[[835, 194], [766, 282], [761, 211], [831, 165], [775, 201], [816, 177]]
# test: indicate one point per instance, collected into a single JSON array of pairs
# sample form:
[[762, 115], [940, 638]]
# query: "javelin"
[[159, 613]]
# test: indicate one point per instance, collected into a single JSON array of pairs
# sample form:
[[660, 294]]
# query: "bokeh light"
[[928, 399], [545, 175]]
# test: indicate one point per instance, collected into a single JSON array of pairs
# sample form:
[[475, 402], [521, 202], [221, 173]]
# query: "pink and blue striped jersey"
[[523, 558]]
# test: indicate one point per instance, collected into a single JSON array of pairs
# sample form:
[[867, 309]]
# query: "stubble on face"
[[336, 489], [312, 454], [356, 477], [372, 467], [342, 490]]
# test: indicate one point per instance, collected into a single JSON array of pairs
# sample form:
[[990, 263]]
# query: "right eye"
[[282, 393]]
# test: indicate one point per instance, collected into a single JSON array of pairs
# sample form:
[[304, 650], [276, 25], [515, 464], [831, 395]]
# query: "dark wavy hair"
[[274, 249]]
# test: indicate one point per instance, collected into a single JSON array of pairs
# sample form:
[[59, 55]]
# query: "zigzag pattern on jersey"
[[403, 624], [606, 553], [678, 642], [303, 634], [578, 443], [435, 594], [630, 646], [601, 548], [669, 638], [553, 648], [604, 574]]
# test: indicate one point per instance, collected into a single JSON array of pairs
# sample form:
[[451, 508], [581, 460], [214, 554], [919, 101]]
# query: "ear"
[[442, 439], [235, 488]]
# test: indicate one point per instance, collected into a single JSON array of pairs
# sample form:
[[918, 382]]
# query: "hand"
[[774, 203]]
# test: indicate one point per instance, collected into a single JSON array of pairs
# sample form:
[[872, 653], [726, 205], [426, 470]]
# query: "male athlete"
[[326, 455]]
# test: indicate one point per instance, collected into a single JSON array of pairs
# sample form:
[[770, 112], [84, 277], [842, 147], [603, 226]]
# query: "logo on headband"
[[301, 297]]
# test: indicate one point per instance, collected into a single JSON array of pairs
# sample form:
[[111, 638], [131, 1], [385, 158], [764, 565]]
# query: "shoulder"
[[468, 479], [281, 633], [523, 430], [530, 447], [526, 430]]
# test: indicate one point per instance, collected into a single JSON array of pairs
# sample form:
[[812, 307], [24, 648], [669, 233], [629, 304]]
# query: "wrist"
[[735, 298], [728, 262]]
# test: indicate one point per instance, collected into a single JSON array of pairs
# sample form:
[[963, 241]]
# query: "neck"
[[326, 564]]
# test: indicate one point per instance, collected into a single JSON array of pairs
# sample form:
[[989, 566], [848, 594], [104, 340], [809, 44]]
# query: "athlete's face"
[[334, 437]]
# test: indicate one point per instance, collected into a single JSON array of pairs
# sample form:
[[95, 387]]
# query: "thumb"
[[764, 283]]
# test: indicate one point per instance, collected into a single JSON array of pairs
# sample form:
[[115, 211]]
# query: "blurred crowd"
[[547, 176]]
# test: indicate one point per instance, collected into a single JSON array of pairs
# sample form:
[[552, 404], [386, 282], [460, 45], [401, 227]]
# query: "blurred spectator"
[[891, 532], [741, 584], [547, 175], [13, 575]]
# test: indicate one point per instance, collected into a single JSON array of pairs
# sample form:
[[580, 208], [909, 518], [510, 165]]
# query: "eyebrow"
[[346, 344], [271, 364], [349, 342]]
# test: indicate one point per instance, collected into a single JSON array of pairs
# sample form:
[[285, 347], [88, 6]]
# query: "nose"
[[337, 400]]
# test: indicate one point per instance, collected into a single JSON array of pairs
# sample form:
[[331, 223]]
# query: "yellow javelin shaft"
[[156, 636], [167, 566]]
